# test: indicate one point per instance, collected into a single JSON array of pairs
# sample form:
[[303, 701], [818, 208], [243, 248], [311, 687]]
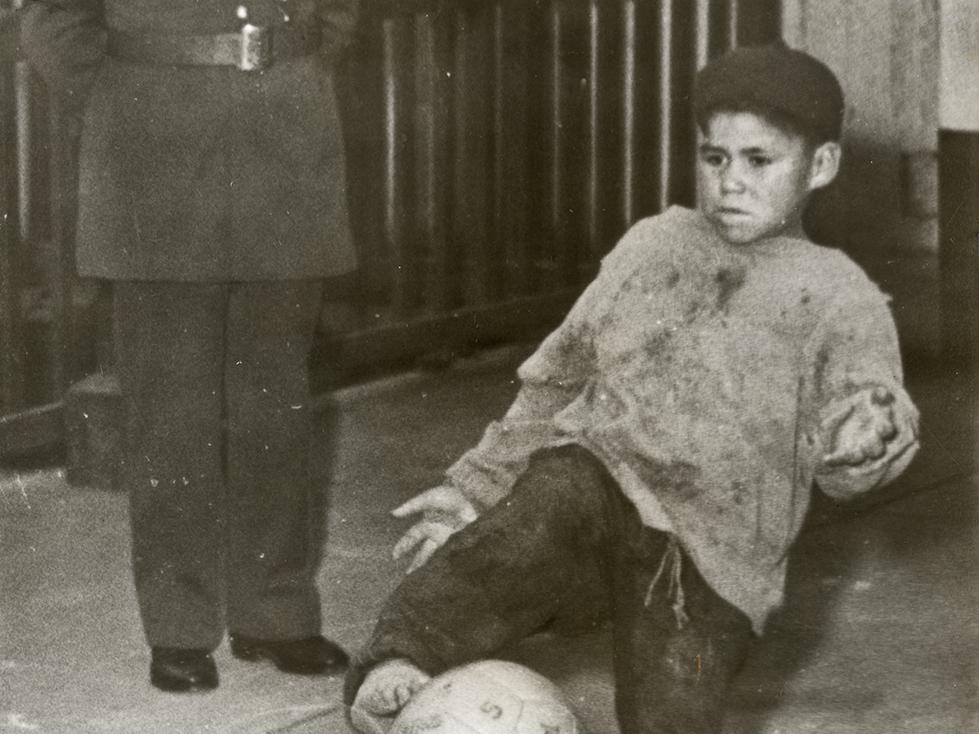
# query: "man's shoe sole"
[[174, 684]]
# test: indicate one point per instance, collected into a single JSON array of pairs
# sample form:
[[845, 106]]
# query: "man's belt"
[[253, 48]]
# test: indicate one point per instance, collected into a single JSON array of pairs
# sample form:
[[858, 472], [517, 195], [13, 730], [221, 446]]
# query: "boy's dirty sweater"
[[703, 374]]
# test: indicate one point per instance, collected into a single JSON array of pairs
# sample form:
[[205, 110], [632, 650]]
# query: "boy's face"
[[753, 178]]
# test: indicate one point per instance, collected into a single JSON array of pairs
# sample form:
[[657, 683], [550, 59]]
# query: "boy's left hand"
[[861, 430]]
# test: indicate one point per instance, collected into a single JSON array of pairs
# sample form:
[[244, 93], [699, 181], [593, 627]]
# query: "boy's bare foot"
[[389, 686]]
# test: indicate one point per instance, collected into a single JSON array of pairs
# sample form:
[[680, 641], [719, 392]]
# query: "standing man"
[[212, 195]]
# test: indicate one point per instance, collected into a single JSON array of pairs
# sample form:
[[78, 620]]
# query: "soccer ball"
[[488, 697]]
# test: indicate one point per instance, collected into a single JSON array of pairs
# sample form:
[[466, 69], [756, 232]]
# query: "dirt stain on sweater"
[[821, 366], [729, 281], [656, 344], [678, 476]]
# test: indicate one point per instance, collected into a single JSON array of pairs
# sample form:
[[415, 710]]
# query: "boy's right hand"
[[445, 510]]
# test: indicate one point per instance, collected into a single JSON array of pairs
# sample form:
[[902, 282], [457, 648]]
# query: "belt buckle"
[[255, 51]]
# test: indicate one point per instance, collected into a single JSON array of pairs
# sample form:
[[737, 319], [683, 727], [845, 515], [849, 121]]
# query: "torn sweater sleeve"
[[487, 472], [858, 372], [551, 379]]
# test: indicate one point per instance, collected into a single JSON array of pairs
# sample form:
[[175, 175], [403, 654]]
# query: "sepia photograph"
[[489, 366]]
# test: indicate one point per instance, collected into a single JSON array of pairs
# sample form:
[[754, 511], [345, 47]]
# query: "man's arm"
[[65, 41]]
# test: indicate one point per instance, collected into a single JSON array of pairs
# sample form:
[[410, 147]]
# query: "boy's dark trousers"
[[567, 547]]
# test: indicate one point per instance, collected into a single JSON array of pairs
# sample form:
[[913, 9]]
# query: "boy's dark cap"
[[773, 78]]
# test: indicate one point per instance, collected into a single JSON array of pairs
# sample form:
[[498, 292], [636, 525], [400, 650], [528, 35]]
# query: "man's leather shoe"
[[308, 656], [179, 670]]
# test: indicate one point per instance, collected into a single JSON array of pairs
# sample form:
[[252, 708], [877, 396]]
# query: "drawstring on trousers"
[[674, 556]]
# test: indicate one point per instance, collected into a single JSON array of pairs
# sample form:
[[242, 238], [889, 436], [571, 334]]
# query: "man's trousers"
[[565, 547], [225, 519]]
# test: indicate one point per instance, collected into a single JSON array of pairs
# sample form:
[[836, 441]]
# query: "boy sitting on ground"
[[656, 464]]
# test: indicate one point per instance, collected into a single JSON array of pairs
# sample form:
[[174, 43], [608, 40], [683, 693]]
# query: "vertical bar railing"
[[11, 367], [556, 121], [629, 93], [433, 158], [473, 165], [398, 88], [509, 220], [38, 351], [60, 343], [497, 149], [520, 138]]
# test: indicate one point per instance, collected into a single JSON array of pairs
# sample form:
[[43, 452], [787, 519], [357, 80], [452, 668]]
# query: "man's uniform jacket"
[[201, 173]]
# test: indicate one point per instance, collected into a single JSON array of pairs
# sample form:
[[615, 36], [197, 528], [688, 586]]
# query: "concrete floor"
[[879, 635]]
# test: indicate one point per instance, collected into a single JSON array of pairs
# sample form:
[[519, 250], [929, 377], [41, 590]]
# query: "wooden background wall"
[[886, 53]]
